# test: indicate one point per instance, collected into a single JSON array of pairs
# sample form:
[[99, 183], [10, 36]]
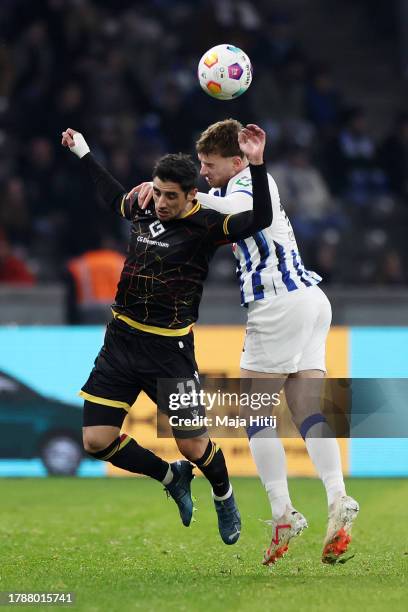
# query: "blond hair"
[[221, 138]]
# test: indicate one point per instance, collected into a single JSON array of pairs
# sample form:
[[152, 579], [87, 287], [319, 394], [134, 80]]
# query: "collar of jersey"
[[195, 209]]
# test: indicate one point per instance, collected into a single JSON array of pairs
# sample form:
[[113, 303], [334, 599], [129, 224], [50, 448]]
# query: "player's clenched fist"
[[75, 141]]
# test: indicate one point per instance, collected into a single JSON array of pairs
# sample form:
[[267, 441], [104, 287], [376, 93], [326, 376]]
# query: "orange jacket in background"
[[96, 275]]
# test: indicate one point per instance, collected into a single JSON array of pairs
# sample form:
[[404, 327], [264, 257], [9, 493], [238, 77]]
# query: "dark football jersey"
[[166, 265], [167, 261]]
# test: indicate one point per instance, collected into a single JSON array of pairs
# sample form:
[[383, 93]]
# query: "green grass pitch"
[[119, 545]]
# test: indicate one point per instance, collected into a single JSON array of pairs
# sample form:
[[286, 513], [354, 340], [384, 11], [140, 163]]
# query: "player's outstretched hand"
[[143, 193], [75, 141], [252, 143]]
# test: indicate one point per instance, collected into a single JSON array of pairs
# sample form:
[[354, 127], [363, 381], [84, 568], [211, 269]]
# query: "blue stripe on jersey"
[[315, 277], [220, 193], [299, 269], [242, 191], [241, 282], [280, 254], [243, 246], [264, 253]]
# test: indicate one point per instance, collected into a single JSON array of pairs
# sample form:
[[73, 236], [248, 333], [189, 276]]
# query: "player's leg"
[[198, 448], [173, 362], [269, 353], [270, 459], [303, 391], [324, 451], [265, 355], [268, 452], [195, 444], [210, 460], [109, 393], [103, 440]]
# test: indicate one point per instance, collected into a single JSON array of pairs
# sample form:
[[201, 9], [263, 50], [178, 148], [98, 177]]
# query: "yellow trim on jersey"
[[152, 329], [195, 209], [122, 205], [224, 225], [211, 457], [102, 400]]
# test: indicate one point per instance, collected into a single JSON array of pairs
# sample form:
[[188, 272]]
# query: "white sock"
[[168, 477], [269, 456], [223, 497], [325, 455]]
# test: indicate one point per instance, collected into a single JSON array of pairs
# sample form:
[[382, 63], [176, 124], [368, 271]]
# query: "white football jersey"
[[269, 262]]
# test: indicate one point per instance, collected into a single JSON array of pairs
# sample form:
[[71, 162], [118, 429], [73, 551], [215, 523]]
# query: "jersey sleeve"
[[235, 202], [112, 193], [230, 228], [240, 199]]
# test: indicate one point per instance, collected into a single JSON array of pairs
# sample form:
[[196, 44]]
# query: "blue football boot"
[[180, 489], [229, 520]]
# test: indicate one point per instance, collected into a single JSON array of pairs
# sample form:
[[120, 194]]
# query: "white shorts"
[[287, 333]]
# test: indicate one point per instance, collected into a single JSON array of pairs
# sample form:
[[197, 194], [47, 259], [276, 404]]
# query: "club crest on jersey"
[[156, 229]]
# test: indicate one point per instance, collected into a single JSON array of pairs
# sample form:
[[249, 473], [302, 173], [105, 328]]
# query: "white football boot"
[[290, 525], [342, 513]]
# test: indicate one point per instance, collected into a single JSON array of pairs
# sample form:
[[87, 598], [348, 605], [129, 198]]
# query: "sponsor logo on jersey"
[[244, 181], [153, 242], [156, 229]]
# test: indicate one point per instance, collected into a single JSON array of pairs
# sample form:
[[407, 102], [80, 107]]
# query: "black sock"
[[126, 453], [212, 464]]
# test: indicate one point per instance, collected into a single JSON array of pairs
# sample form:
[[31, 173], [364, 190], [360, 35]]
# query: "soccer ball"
[[225, 72]]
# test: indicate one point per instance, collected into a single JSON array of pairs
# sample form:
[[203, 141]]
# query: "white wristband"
[[80, 147]]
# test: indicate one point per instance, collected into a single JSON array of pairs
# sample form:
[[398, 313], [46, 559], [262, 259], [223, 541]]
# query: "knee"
[[193, 448], [301, 414], [94, 441], [298, 417]]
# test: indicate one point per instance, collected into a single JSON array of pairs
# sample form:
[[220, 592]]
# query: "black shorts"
[[132, 361]]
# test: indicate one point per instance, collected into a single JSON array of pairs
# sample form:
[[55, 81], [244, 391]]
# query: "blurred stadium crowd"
[[124, 73]]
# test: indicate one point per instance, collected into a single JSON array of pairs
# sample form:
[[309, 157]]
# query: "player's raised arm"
[[237, 227], [110, 190]]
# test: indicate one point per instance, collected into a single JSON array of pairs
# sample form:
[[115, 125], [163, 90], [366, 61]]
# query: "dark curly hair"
[[177, 168]]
